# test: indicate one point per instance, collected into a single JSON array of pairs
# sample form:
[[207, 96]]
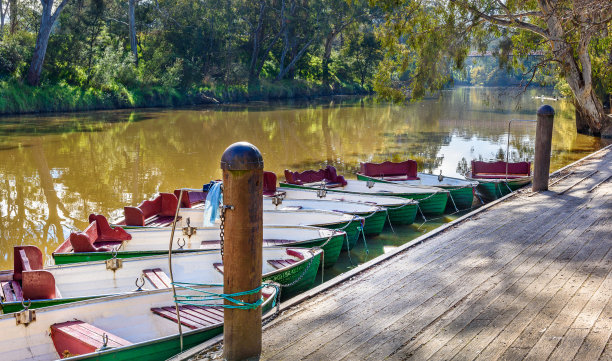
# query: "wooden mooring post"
[[242, 166], [543, 143]]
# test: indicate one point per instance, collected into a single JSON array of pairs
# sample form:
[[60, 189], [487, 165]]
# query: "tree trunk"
[[42, 40], [13, 10], [133, 43], [256, 38], [40, 50], [590, 116], [326, 55]]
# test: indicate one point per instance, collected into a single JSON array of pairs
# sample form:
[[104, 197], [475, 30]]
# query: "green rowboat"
[[432, 200], [76, 282], [138, 326], [154, 241]]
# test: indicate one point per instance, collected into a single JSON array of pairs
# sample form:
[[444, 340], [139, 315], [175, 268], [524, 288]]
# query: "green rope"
[[207, 297]]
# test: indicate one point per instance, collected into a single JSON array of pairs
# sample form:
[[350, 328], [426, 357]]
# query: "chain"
[[222, 229]]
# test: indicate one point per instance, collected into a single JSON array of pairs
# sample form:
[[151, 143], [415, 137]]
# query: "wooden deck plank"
[[384, 275], [346, 302], [482, 295], [599, 335], [498, 335], [405, 329], [504, 295], [555, 294], [451, 292], [452, 268], [475, 290]]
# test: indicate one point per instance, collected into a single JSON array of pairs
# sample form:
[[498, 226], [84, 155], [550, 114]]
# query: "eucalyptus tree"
[[427, 37], [3, 13], [48, 17]]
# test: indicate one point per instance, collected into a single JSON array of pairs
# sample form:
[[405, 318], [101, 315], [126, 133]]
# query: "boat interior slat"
[[277, 242], [78, 336], [171, 315], [157, 277], [219, 267], [281, 263], [214, 244], [160, 221], [191, 316], [12, 291], [201, 314]]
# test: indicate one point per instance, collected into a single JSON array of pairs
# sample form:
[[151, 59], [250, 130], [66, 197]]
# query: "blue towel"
[[214, 199]]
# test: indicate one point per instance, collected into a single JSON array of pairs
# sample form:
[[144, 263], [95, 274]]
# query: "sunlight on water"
[[57, 169]]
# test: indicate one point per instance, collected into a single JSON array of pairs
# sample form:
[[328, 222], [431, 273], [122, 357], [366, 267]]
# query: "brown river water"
[[57, 169]]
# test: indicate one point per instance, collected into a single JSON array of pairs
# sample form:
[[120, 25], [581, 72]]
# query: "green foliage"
[[15, 52], [426, 44], [189, 47]]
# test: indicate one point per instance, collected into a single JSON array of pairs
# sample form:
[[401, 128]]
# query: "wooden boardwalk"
[[528, 278]]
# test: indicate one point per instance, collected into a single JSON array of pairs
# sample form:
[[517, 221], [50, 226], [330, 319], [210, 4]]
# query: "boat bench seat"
[[157, 277], [327, 175], [192, 316], [406, 170], [281, 263], [97, 237], [191, 199], [77, 337], [498, 175], [159, 212], [36, 283], [497, 170]]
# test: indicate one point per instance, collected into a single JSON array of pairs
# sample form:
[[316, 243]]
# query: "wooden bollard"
[[242, 166], [541, 167]]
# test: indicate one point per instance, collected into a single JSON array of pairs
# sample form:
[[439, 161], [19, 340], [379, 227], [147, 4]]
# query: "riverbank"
[[18, 98]]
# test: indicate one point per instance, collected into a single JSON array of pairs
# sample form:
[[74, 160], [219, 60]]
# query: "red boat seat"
[[497, 170], [192, 316], [328, 175], [157, 213], [98, 236], [406, 170], [191, 198], [36, 283], [158, 278], [269, 183], [26, 258], [77, 338]]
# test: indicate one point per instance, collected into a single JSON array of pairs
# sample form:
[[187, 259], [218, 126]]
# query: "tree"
[[47, 20], [14, 12], [428, 38], [3, 12], [339, 14], [133, 43]]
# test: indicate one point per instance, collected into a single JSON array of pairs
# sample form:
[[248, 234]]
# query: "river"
[[57, 169]]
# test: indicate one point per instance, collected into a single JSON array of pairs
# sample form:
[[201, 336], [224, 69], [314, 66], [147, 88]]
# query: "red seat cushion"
[[497, 170], [406, 169]]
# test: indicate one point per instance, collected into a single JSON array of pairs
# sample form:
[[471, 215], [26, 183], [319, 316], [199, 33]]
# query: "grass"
[[16, 97]]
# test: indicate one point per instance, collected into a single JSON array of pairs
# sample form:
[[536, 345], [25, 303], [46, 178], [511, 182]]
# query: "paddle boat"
[[496, 179], [156, 213], [432, 200], [96, 242], [461, 191], [137, 326], [29, 282]]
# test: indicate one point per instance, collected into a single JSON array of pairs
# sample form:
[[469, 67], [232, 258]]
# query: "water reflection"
[[58, 169]]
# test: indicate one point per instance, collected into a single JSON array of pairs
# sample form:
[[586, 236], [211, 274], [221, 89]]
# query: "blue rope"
[[207, 297]]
